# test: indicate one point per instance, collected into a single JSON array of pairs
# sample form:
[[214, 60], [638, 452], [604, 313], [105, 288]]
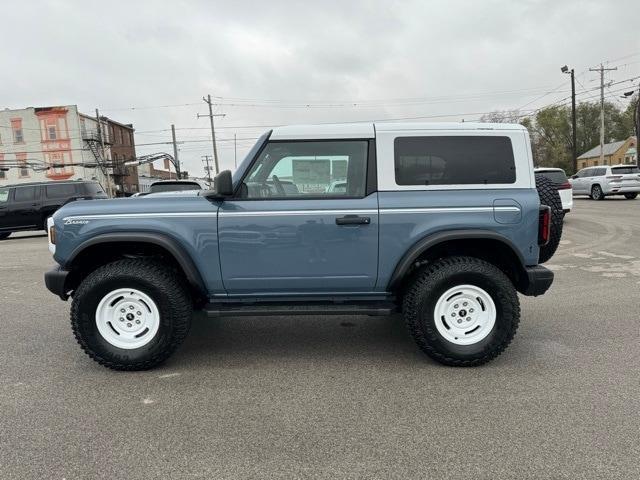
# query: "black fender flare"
[[172, 246], [429, 241]]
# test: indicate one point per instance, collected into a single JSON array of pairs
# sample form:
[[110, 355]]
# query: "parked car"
[[600, 182], [442, 222], [26, 206], [170, 186], [559, 179]]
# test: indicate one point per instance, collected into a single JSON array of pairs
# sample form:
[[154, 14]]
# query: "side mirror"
[[574, 176], [222, 185]]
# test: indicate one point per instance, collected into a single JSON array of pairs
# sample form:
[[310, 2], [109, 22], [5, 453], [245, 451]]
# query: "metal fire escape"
[[95, 142]]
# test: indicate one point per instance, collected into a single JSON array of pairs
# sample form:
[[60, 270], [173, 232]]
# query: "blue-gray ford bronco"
[[444, 223]]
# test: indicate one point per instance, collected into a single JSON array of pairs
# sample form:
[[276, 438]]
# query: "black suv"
[[26, 206]]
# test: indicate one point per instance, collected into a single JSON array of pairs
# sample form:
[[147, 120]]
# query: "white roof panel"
[[323, 131], [404, 126]]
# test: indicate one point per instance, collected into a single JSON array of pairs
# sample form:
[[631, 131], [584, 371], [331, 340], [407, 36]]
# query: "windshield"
[[237, 175], [556, 176], [174, 187]]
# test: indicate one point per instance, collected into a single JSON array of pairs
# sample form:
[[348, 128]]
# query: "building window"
[[24, 169], [16, 127], [51, 129], [3, 174]]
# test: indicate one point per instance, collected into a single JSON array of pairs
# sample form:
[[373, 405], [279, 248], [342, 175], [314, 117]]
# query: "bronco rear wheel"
[[131, 314], [461, 311], [630, 196]]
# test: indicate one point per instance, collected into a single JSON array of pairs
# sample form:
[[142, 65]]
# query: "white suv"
[[598, 182]]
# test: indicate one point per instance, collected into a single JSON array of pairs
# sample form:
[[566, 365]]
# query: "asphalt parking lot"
[[337, 397]]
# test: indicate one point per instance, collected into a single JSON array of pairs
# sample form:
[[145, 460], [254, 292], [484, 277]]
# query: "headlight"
[[51, 232]]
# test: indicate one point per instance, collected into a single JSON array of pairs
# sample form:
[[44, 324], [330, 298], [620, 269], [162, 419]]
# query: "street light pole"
[[574, 141]]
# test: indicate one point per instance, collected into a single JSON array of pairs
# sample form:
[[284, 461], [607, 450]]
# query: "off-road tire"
[[630, 196], [4, 235], [153, 278], [549, 196], [431, 281], [596, 193]]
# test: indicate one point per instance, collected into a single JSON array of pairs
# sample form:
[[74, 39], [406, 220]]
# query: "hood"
[[147, 204]]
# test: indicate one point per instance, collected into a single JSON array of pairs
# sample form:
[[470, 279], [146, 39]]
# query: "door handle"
[[353, 220]]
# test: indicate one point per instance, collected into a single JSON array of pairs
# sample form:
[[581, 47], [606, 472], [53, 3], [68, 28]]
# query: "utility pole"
[[175, 153], [104, 168], [637, 122], [235, 151], [602, 70], [574, 135], [213, 129], [206, 158]]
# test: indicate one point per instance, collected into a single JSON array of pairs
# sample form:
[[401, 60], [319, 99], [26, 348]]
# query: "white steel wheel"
[[127, 318], [465, 314]]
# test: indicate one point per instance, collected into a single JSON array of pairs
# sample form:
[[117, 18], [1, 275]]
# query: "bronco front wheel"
[[461, 311], [131, 314]]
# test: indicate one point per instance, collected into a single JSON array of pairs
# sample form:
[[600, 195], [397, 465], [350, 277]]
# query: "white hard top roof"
[[368, 129]]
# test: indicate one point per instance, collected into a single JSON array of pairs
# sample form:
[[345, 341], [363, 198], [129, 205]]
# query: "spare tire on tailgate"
[[549, 196]]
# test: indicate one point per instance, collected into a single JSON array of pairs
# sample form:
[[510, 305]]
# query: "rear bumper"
[[55, 280], [614, 190], [538, 281]]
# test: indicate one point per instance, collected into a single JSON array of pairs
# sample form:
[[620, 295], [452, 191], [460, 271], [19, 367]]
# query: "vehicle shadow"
[[252, 339]]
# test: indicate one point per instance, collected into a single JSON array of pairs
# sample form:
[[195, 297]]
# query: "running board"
[[297, 308]]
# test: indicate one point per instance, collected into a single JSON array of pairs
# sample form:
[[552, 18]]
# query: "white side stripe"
[[449, 210], [260, 213]]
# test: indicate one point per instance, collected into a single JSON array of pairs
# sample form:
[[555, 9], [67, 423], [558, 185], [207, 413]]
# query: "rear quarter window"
[[624, 170], [454, 160], [64, 190], [93, 188]]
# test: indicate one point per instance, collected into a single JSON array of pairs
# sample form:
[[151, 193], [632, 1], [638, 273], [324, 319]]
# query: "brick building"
[[614, 153], [122, 146], [59, 143]]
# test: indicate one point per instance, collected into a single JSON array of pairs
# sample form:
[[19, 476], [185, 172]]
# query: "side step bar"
[[297, 308]]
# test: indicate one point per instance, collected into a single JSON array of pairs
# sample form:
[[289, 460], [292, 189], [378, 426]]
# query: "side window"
[[599, 172], [24, 194], [587, 172], [64, 190], [309, 169], [4, 195], [454, 160]]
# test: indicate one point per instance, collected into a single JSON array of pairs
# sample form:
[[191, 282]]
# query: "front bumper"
[[55, 280], [539, 279]]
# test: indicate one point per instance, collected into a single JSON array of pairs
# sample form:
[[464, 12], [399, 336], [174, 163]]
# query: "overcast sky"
[[271, 63]]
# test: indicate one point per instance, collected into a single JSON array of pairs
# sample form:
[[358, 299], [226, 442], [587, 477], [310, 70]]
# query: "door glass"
[[24, 194], [309, 169]]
